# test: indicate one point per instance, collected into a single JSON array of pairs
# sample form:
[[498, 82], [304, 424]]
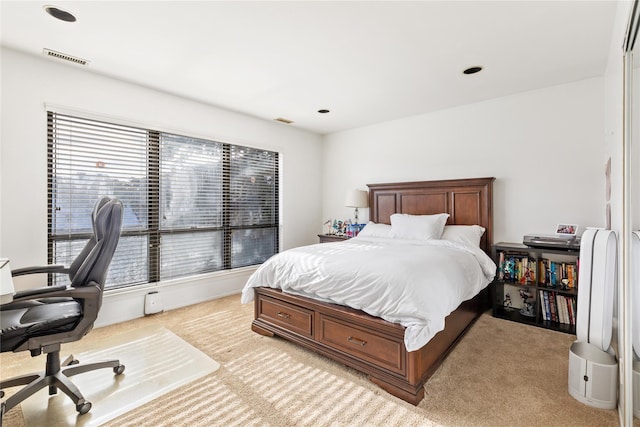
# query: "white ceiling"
[[365, 61]]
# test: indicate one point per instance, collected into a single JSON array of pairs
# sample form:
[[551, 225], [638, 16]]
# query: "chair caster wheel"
[[1, 394], [83, 408], [118, 369]]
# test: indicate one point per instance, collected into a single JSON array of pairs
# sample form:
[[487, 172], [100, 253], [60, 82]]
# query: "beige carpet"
[[501, 374]]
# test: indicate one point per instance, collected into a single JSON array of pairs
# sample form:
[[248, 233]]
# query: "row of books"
[[520, 268], [559, 274], [558, 308]]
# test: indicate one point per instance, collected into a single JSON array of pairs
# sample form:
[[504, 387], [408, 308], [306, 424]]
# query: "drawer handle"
[[357, 341], [284, 315]]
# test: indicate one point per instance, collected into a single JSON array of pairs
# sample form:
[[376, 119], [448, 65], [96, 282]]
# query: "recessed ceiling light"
[[60, 14], [323, 111], [472, 70]]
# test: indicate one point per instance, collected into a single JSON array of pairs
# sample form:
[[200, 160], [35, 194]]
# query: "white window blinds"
[[252, 204], [191, 205]]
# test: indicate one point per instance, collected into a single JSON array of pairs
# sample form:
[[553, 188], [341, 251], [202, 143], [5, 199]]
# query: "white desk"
[[6, 282]]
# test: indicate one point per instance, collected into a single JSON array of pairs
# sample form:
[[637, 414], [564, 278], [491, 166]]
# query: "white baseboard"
[[120, 305]]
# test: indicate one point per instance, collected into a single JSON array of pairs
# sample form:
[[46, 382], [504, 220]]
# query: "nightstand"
[[328, 238]]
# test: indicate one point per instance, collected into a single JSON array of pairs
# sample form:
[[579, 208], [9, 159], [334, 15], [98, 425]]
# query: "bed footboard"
[[369, 344]]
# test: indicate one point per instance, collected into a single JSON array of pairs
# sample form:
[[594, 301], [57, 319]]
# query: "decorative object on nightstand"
[[336, 227], [357, 199], [354, 229]]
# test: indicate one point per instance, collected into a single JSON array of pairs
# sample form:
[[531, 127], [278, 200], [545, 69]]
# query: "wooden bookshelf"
[[537, 286]]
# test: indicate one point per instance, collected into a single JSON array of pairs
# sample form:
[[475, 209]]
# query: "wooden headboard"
[[467, 201]]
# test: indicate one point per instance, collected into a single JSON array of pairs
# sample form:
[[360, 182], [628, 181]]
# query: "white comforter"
[[414, 283]]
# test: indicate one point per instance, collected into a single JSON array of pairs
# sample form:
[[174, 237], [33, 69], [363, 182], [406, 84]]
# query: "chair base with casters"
[[56, 376]]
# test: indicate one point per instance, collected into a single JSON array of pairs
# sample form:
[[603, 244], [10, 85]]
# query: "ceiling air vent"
[[282, 120], [64, 56]]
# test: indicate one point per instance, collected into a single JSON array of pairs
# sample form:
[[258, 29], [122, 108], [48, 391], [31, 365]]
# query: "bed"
[[368, 343]]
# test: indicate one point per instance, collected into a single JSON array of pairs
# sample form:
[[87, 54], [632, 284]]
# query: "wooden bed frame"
[[370, 344]]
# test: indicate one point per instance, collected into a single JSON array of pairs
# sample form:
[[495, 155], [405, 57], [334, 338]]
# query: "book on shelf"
[[564, 318], [558, 300], [529, 271], [571, 306], [543, 308], [569, 310], [552, 305], [553, 274], [543, 271], [547, 305]]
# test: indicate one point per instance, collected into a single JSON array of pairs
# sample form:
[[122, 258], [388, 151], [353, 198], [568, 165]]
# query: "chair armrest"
[[38, 292], [60, 291], [53, 268]]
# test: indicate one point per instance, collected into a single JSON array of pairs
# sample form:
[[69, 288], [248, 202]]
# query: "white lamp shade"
[[357, 199]]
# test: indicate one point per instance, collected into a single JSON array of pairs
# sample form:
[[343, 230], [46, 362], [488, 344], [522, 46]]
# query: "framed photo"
[[567, 229]]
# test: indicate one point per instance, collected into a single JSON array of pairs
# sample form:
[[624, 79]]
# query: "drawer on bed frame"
[[380, 350], [289, 316]]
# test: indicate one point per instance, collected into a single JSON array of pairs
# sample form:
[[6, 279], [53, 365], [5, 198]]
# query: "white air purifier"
[[593, 367]]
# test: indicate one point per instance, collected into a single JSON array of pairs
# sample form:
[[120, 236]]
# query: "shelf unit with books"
[[537, 286]]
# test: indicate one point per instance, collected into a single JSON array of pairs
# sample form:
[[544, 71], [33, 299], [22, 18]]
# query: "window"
[[192, 206]]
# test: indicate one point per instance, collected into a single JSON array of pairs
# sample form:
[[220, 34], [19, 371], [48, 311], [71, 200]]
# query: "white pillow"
[[375, 230], [418, 227], [469, 234]]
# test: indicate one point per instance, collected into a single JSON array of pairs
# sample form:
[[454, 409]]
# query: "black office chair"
[[40, 320]]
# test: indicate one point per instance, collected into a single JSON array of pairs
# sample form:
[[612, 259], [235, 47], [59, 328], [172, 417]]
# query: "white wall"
[[544, 147], [28, 82]]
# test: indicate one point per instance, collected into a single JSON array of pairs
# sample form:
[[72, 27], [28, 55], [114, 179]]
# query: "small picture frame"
[[567, 229]]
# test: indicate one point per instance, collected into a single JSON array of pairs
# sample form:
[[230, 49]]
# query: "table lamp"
[[357, 199]]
